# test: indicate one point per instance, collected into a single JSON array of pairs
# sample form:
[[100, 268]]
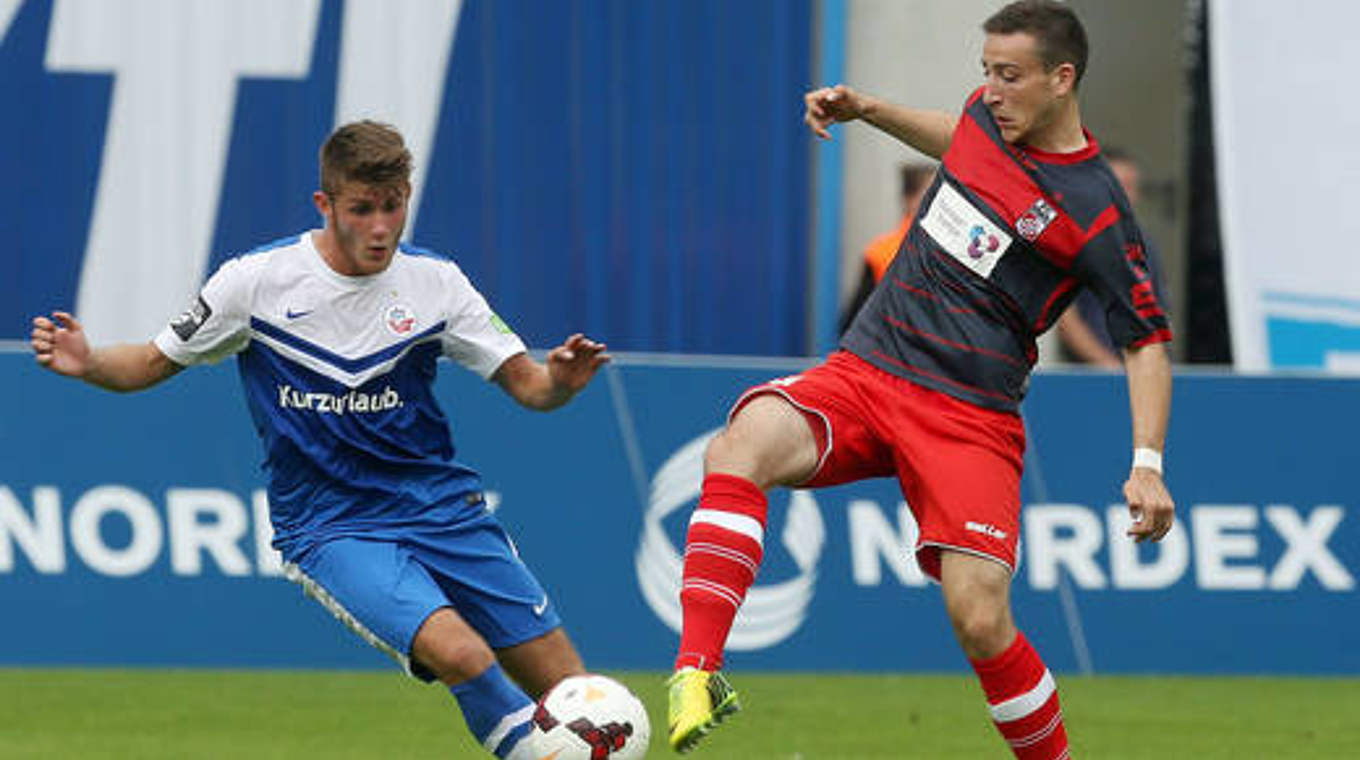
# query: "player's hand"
[[572, 364], [1150, 505], [828, 105], [60, 345]]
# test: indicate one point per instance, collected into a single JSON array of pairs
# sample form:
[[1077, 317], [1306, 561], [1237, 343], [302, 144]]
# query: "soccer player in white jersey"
[[337, 332]]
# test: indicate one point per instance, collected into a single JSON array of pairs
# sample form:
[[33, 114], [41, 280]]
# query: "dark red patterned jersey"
[[1003, 242]]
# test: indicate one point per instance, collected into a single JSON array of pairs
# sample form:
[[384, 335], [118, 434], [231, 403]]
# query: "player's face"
[[366, 222], [1023, 97]]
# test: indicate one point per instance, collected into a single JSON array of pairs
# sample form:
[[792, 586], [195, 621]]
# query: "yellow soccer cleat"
[[699, 701]]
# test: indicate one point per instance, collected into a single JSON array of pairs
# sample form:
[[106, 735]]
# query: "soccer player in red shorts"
[[928, 380]]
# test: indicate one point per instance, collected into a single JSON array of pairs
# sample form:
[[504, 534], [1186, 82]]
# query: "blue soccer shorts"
[[385, 588]]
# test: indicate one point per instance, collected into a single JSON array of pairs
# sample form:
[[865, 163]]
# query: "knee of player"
[[453, 658], [729, 454], [983, 626]]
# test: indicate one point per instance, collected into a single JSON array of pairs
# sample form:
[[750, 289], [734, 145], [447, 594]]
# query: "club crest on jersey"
[[400, 320], [1035, 220]]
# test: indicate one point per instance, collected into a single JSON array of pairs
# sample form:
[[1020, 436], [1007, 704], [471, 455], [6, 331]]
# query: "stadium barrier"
[[133, 529]]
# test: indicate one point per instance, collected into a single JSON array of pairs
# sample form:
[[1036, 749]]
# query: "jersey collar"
[[352, 282], [1075, 157]]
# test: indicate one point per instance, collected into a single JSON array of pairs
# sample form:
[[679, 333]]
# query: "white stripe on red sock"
[[732, 521], [1021, 705]]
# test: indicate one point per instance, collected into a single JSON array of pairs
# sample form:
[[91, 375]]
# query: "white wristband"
[[1149, 458]]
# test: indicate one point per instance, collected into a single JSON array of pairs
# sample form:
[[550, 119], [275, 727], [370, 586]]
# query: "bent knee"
[[983, 631], [452, 656], [730, 454]]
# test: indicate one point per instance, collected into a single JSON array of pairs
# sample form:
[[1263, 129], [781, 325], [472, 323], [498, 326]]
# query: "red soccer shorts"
[[958, 464]]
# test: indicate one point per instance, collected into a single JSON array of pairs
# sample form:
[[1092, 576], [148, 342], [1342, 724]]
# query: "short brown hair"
[[364, 151], [1054, 27]]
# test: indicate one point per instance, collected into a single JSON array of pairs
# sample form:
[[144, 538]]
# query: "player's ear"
[[322, 203], [1064, 78]]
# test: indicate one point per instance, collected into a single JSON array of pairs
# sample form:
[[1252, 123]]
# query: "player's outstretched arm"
[[59, 344], [1149, 374], [926, 131], [568, 369]]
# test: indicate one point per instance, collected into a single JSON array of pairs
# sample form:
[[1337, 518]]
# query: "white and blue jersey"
[[337, 372]]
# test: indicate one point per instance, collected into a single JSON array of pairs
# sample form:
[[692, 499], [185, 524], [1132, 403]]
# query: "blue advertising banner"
[[590, 165], [133, 529]]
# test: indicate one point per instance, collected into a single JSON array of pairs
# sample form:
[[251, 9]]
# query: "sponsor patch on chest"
[[964, 232]]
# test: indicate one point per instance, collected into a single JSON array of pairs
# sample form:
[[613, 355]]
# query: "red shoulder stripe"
[[995, 176]]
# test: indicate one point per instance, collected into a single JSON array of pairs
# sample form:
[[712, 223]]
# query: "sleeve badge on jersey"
[[186, 324], [1035, 220]]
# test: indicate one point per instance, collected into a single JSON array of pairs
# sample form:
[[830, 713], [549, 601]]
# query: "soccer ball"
[[591, 717]]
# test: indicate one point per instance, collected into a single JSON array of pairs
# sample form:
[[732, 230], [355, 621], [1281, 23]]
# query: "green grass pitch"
[[97, 713]]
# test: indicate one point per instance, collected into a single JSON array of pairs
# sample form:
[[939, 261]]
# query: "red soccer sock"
[[1024, 702], [723, 550]]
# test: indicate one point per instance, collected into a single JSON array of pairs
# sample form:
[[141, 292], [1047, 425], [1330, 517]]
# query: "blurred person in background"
[[337, 332], [1082, 332], [927, 384], [914, 179]]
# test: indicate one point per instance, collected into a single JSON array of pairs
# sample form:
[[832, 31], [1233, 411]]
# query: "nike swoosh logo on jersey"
[[295, 314], [541, 606]]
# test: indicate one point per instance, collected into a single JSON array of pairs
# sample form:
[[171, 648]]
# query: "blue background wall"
[[576, 487], [637, 171]]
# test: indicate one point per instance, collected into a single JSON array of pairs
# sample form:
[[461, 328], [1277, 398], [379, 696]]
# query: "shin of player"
[[766, 443], [723, 550], [1020, 691]]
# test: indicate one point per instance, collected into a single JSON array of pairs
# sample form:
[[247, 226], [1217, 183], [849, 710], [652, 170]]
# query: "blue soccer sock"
[[496, 711]]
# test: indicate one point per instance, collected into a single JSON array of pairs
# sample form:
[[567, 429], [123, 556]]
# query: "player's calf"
[[1023, 699]]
